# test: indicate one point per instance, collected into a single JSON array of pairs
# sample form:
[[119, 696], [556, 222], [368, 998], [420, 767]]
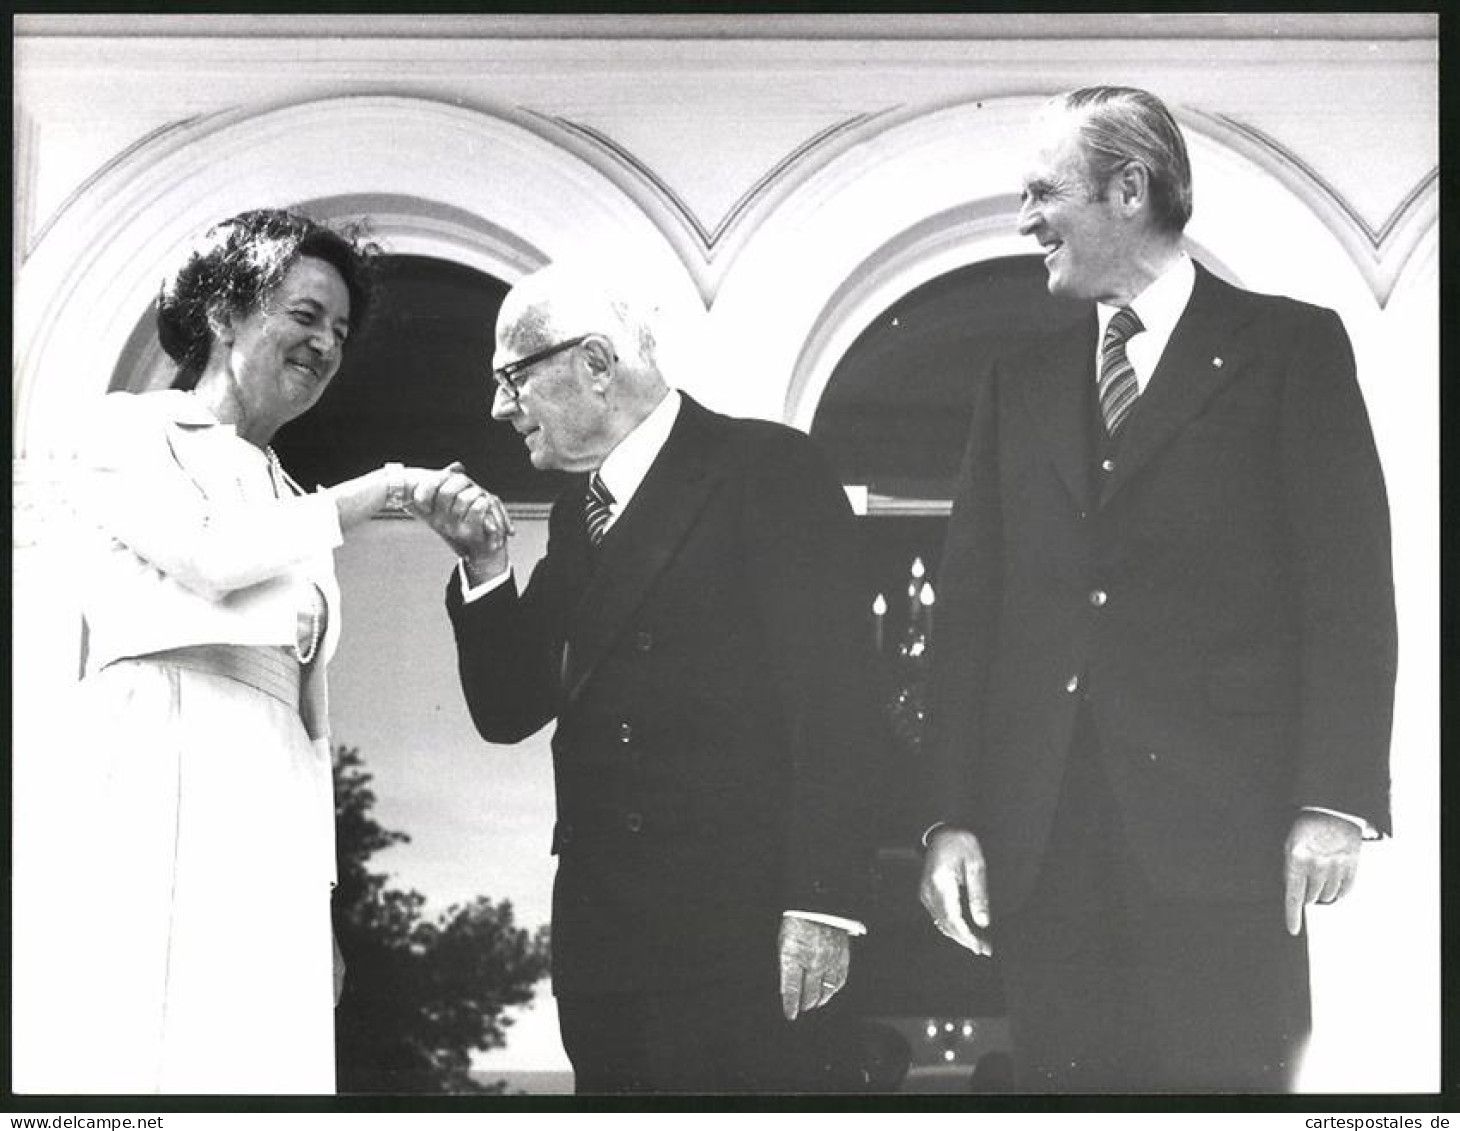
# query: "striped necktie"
[[1118, 388], [596, 508]]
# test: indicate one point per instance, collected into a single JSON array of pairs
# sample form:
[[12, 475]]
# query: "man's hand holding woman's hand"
[[469, 519]]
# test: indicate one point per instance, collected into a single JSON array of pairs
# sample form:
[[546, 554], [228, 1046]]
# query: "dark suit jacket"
[[1241, 662], [709, 681]]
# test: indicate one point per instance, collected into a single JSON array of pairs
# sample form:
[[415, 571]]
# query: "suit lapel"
[[1056, 390], [1200, 358], [642, 542], [574, 562]]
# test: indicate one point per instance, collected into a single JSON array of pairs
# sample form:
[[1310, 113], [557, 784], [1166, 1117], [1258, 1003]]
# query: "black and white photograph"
[[725, 558]]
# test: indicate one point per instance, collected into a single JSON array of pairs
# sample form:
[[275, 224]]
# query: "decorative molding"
[[932, 192], [146, 141], [762, 26], [1380, 253], [709, 238], [27, 162], [708, 249], [1376, 236], [934, 246], [447, 178], [927, 193]]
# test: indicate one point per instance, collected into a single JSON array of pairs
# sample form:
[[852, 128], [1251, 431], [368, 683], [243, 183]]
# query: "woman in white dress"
[[204, 821]]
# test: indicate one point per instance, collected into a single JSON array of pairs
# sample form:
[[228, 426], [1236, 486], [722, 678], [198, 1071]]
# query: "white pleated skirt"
[[196, 957]]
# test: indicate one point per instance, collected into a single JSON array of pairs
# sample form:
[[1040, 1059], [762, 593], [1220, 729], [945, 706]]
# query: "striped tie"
[[596, 512], [1118, 388]]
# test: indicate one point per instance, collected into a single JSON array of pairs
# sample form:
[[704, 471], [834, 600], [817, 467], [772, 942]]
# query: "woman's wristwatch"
[[397, 490]]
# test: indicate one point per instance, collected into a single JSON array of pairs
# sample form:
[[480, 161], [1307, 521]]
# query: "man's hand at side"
[[1321, 860], [815, 958], [954, 876]]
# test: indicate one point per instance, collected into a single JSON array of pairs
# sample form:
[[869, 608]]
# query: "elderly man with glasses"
[[697, 634]]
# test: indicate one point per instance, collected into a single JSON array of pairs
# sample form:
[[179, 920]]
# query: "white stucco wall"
[[784, 179]]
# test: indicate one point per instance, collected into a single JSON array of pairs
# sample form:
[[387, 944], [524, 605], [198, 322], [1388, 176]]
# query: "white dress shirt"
[[625, 467], [1159, 307], [622, 472]]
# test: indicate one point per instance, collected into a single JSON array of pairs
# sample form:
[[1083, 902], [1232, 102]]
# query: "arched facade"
[[435, 179], [940, 191], [892, 186], [902, 201]]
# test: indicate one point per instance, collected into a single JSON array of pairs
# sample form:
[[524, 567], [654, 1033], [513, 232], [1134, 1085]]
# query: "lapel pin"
[[1216, 363]]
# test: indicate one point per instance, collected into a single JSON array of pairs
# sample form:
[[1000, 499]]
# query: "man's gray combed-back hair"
[[561, 301], [1120, 124]]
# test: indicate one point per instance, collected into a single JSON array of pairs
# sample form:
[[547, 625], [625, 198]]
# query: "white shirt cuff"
[[851, 926], [470, 592], [1369, 831]]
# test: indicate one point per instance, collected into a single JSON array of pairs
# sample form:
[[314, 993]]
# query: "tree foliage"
[[421, 994]]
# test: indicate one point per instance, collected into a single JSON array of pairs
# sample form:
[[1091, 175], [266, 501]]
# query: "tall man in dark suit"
[[696, 632], [1165, 655]]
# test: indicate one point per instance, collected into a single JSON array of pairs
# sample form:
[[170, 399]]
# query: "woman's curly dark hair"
[[238, 263]]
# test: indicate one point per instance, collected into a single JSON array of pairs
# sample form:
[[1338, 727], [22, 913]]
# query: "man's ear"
[[598, 351], [1132, 187]]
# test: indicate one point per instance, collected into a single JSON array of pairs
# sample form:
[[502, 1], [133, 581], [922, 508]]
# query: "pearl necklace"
[[276, 473], [316, 630]]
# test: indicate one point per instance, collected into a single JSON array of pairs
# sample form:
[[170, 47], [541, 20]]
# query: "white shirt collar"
[[626, 466], [1159, 307], [183, 408]]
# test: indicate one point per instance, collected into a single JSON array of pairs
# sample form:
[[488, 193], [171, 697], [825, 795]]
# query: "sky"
[[479, 816]]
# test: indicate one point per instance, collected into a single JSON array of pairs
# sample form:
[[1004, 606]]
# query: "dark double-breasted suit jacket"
[[1220, 601], [707, 668]]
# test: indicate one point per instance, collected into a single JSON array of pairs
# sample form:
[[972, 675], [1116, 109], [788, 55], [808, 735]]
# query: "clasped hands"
[[1321, 858], [470, 519]]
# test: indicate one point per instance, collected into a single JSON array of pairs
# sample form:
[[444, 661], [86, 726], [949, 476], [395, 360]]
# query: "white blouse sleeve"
[[142, 486]]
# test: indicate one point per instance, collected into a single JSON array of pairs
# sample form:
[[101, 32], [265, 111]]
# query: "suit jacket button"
[[1107, 465], [1072, 684], [1098, 597], [625, 733], [565, 834], [633, 822], [1151, 756], [644, 641]]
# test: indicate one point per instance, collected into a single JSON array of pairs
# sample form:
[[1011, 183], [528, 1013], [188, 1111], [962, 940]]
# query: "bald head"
[[560, 302], [575, 404]]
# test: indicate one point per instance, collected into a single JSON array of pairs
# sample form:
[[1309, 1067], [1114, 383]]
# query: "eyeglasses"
[[508, 376]]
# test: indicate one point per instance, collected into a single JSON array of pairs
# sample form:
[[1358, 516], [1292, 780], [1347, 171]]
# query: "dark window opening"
[[415, 388], [894, 416]]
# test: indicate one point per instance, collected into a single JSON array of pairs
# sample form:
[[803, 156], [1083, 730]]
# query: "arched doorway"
[[466, 193], [894, 414], [415, 387]]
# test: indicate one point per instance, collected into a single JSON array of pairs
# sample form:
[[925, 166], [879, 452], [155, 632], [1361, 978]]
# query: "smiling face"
[[561, 410], [1085, 236], [283, 354]]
